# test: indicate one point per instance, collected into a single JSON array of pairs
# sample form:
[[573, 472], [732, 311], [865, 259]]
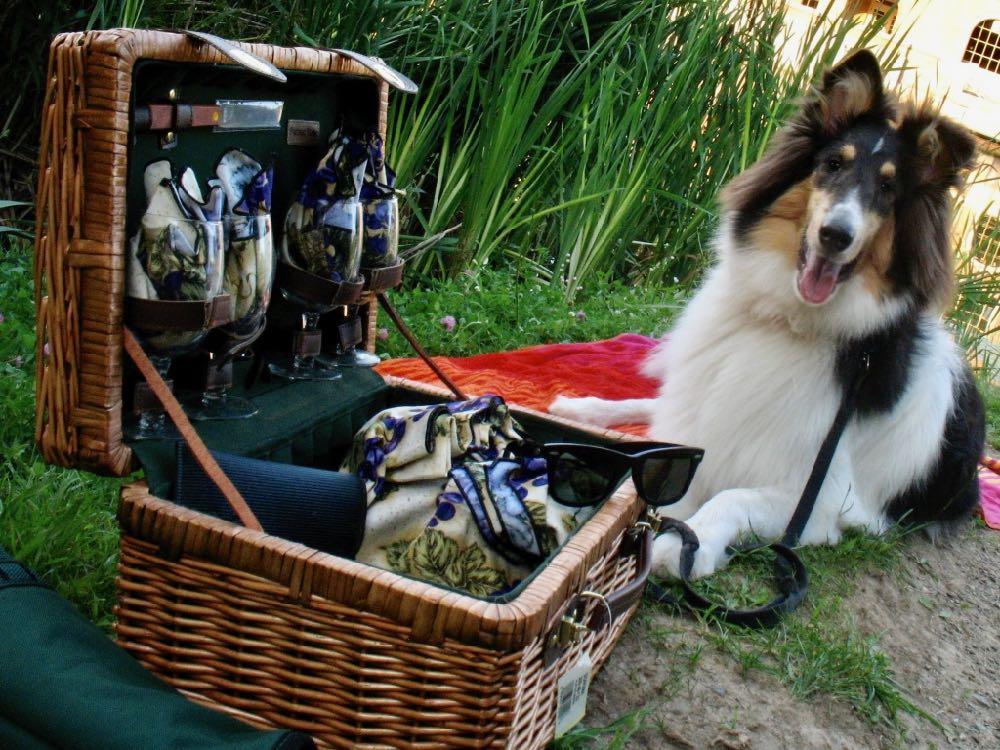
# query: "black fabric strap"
[[791, 576]]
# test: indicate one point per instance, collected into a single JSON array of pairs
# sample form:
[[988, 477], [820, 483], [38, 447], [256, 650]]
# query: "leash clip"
[[602, 600], [651, 521]]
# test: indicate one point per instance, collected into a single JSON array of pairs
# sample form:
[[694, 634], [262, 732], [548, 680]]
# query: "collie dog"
[[834, 246]]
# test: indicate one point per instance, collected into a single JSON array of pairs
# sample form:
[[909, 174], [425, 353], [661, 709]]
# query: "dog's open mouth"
[[818, 276]]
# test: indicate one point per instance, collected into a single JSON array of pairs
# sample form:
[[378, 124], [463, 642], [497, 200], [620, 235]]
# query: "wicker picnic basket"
[[270, 631]]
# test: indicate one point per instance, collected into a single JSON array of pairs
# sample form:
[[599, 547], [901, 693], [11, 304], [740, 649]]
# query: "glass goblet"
[[173, 264], [249, 276]]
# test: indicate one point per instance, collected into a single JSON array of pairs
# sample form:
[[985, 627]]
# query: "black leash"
[[790, 573]]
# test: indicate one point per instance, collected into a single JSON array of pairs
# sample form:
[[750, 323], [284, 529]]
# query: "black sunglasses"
[[581, 475]]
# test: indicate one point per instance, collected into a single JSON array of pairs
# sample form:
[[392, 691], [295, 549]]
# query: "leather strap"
[[307, 343], [350, 333], [194, 442], [159, 117], [182, 315], [621, 601], [316, 289], [415, 345], [609, 607], [380, 279]]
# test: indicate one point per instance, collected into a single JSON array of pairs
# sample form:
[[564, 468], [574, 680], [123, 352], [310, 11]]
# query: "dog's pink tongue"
[[818, 278]]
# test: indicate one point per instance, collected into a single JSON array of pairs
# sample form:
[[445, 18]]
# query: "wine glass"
[[380, 263], [249, 276], [321, 253], [174, 281]]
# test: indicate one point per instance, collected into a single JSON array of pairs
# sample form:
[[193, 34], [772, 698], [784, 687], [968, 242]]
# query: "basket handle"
[[238, 55], [570, 628], [198, 448]]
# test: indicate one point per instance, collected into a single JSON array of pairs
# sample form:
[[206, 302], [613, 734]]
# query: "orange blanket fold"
[[534, 376]]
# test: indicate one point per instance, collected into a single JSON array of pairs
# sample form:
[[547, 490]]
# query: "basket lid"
[[91, 168]]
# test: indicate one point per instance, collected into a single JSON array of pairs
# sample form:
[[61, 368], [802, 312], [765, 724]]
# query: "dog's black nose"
[[835, 238]]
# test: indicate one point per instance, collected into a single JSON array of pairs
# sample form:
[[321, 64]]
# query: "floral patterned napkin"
[[177, 253], [444, 506], [323, 227], [381, 209], [250, 255]]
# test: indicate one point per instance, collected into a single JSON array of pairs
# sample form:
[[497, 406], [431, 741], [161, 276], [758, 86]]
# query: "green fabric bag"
[[64, 684]]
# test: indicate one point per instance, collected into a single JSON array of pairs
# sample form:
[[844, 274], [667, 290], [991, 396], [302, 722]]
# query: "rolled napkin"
[[323, 227], [321, 509], [380, 207], [178, 251], [249, 270], [443, 506]]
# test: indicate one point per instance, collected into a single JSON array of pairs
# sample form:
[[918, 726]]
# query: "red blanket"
[[610, 369]]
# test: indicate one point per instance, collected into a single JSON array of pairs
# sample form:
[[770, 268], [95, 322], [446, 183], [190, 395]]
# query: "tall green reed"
[[580, 138]]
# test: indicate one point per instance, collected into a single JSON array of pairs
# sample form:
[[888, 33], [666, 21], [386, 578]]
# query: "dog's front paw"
[[584, 409], [667, 558]]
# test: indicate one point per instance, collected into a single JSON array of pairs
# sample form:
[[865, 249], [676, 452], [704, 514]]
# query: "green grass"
[[495, 310], [820, 652], [614, 736], [991, 397], [60, 523]]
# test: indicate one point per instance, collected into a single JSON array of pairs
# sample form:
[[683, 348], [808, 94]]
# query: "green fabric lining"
[[312, 423]]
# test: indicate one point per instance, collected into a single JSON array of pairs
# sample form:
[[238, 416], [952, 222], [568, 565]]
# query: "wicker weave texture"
[[80, 240], [349, 678], [281, 635]]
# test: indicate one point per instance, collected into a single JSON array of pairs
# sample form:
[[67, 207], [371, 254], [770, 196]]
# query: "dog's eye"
[[833, 164], [887, 187]]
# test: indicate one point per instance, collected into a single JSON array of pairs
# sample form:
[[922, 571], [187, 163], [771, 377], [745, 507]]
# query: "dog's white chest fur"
[[756, 397]]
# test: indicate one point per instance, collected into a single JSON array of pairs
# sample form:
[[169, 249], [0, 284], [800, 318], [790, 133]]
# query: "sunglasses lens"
[[577, 482], [664, 480]]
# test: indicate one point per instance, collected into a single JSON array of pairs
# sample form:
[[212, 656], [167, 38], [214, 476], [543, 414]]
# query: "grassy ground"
[[62, 522]]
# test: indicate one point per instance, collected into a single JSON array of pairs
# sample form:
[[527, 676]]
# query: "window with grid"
[[811, 3], [983, 48], [987, 243]]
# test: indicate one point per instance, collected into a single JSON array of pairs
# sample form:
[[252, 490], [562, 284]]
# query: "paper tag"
[[303, 133], [571, 695]]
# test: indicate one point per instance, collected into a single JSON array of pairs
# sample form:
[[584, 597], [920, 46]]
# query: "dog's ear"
[[941, 151], [851, 88]]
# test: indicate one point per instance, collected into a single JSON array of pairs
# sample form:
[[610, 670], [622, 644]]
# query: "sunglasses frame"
[[632, 462]]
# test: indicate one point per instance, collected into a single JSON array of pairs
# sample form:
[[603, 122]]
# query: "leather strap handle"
[[415, 345], [317, 289], [198, 448], [160, 117], [381, 279], [568, 629], [621, 601]]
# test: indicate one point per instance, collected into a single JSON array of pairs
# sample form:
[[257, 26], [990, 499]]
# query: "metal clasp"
[[570, 632], [651, 521]]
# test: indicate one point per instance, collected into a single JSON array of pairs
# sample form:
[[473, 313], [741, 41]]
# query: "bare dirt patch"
[[938, 621]]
